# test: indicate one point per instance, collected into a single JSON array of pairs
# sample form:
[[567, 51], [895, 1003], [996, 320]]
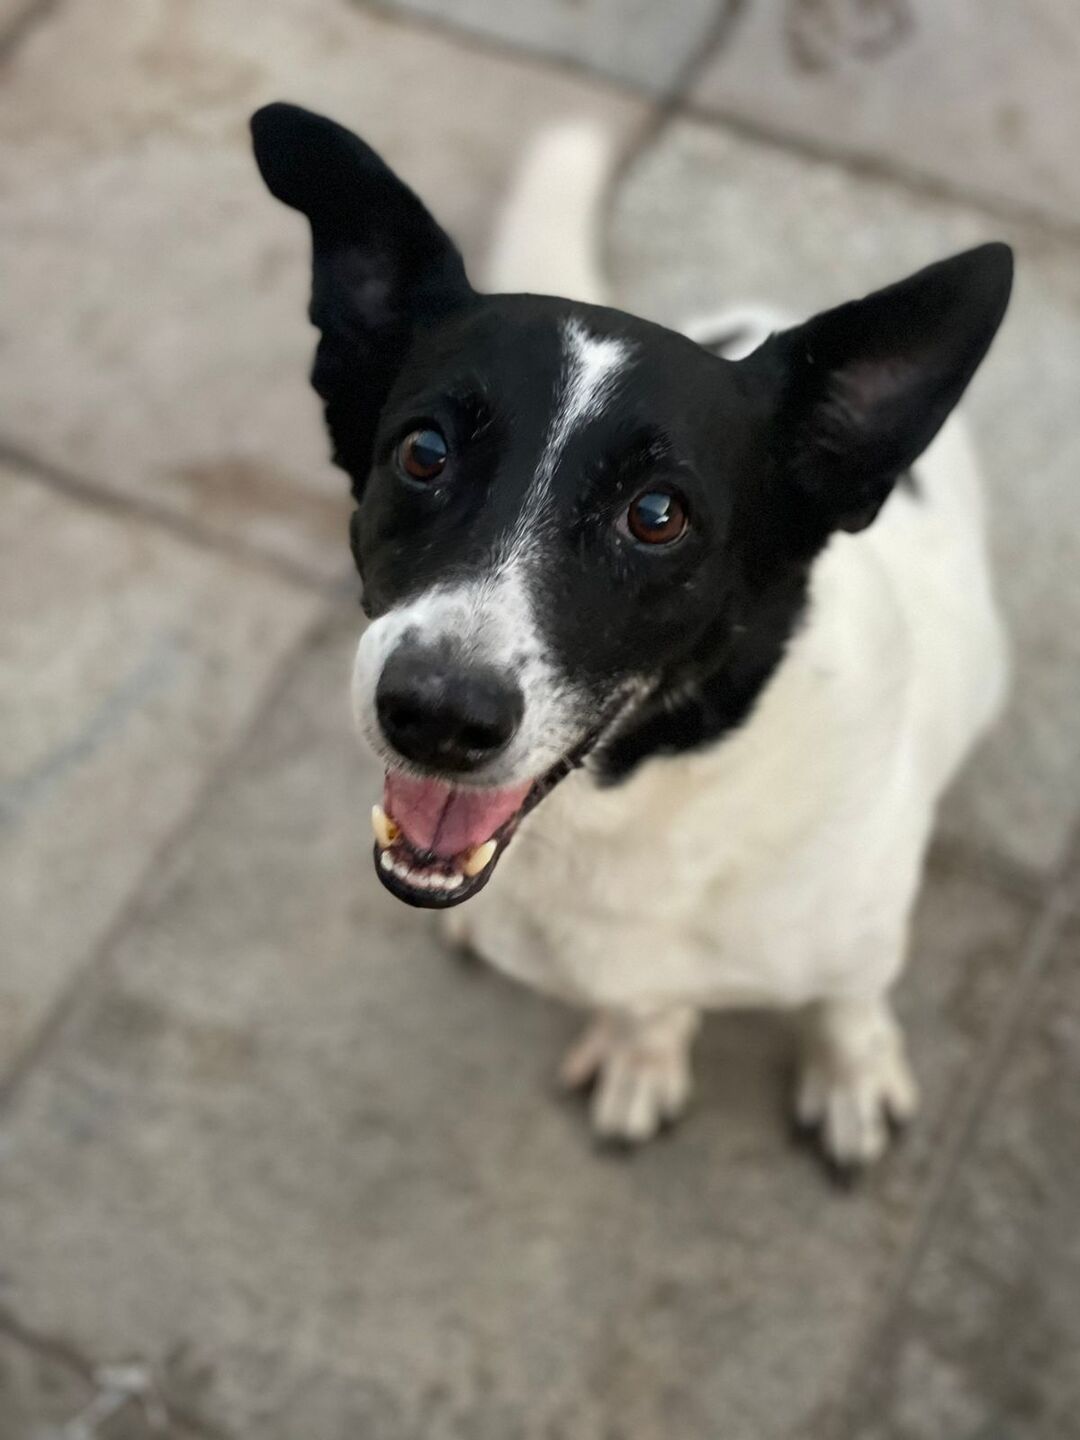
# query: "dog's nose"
[[444, 715]]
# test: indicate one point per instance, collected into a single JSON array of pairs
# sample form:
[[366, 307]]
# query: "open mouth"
[[437, 843]]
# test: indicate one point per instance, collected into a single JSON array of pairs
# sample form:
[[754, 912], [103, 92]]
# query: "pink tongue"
[[447, 819]]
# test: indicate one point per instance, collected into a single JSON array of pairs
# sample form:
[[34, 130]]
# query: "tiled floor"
[[272, 1163]]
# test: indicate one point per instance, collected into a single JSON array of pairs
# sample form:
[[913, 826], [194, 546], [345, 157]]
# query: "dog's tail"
[[737, 331], [547, 237]]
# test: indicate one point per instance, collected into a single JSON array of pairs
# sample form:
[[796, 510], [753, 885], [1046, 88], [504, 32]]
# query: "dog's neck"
[[713, 694]]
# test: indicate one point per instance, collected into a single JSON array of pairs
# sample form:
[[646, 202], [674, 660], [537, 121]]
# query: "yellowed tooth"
[[386, 832], [480, 858]]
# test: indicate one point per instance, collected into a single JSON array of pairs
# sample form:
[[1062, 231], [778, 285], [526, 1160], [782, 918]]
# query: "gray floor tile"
[[320, 1158], [988, 1346], [705, 220], [156, 294], [128, 663], [982, 97], [634, 40]]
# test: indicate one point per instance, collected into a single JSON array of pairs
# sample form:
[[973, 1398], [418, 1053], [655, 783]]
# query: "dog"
[[670, 653]]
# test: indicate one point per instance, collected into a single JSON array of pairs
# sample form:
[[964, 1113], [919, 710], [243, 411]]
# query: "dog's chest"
[[668, 886]]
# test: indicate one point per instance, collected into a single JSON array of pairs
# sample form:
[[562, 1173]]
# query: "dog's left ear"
[[381, 266], [864, 388]]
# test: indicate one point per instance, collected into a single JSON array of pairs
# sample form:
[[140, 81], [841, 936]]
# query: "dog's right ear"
[[381, 266]]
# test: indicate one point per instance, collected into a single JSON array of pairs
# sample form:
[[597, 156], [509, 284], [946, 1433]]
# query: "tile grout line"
[[151, 512], [1047, 927], [24, 23], [63, 1353], [668, 104], [910, 179], [497, 46], [96, 964]]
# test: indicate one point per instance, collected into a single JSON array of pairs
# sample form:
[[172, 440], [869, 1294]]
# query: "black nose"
[[443, 714]]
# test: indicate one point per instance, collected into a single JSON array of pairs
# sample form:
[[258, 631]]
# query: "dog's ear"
[[381, 266], [864, 388]]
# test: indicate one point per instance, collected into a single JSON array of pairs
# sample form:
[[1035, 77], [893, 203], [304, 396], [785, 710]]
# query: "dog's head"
[[576, 529]]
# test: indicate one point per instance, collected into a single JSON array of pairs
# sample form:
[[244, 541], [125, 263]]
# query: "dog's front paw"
[[850, 1094], [639, 1067]]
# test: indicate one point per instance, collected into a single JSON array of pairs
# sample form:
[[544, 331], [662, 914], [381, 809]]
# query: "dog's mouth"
[[437, 843]]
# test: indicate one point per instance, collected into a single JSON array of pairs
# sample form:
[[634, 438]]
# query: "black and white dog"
[[632, 643]]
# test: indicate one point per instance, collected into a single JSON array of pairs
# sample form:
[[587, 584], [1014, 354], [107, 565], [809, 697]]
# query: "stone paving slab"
[[632, 40], [705, 220], [983, 97], [128, 664], [988, 1343], [321, 1159], [156, 294]]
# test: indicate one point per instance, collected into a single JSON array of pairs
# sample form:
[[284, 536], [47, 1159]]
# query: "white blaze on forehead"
[[590, 368]]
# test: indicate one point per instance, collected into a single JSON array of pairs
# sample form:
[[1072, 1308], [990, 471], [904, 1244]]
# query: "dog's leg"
[[639, 1063], [854, 1079]]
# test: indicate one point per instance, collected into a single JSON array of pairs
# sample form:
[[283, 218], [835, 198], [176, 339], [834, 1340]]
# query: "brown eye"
[[422, 455], [657, 517]]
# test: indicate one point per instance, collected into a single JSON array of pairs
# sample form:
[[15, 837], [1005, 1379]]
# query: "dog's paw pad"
[[641, 1080], [852, 1106]]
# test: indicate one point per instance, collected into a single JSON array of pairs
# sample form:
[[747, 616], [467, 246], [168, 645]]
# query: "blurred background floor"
[[271, 1162]]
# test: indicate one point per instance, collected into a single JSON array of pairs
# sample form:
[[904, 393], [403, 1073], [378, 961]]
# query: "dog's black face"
[[578, 531]]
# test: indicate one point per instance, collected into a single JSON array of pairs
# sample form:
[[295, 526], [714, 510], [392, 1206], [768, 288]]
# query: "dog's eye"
[[657, 517], [422, 455]]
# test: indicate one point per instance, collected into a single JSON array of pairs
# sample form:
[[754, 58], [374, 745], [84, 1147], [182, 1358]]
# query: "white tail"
[[547, 238], [736, 331]]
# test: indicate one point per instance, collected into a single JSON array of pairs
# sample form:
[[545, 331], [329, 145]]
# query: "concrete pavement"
[[273, 1164]]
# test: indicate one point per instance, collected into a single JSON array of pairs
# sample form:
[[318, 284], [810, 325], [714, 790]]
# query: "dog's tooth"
[[386, 832], [480, 858], [451, 882]]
